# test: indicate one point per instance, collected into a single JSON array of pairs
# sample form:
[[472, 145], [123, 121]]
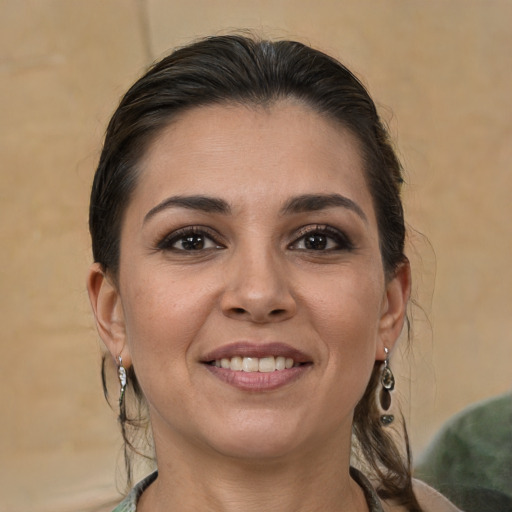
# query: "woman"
[[250, 281]]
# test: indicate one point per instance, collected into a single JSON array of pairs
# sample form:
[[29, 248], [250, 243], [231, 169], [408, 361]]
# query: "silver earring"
[[121, 374], [387, 381]]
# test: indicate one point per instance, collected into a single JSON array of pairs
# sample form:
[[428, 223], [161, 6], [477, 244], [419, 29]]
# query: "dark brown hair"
[[245, 70]]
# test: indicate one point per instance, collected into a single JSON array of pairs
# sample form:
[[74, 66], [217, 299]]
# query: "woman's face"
[[250, 245]]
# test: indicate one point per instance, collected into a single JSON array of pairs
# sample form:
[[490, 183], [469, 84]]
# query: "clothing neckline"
[[129, 504], [370, 494]]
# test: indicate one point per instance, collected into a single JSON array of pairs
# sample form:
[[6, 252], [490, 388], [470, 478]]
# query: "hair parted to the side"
[[245, 70]]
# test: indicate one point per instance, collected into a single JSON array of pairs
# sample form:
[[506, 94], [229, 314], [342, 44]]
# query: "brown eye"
[[191, 243], [322, 238], [316, 242], [191, 239]]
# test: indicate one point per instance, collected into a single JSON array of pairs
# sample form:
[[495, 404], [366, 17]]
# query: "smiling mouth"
[[258, 367], [265, 364]]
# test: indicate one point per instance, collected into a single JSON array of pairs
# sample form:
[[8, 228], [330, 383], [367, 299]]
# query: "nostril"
[[239, 311], [277, 312]]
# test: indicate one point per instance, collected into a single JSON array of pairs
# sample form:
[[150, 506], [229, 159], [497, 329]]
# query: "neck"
[[196, 479]]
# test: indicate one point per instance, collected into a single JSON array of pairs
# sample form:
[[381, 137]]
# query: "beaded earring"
[[121, 374], [387, 381]]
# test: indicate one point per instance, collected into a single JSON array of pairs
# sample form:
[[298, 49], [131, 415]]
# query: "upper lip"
[[251, 349]]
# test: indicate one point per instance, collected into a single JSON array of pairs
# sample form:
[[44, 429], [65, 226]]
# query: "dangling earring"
[[388, 384], [121, 373]]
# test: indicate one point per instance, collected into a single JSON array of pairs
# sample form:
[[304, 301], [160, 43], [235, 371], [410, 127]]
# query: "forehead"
[[253, 154]]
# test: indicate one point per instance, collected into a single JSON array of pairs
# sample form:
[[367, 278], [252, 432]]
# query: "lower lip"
[[259, 381]]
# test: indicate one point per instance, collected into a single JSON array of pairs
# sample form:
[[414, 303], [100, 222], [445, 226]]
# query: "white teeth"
[[267, 364], [236, 364], [250, 364], [255, 364], [281, 363]]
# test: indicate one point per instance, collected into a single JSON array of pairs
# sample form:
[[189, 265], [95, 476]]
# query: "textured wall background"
[[442, 74]]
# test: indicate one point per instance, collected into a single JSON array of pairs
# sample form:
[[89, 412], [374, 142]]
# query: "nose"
[[258, 290]]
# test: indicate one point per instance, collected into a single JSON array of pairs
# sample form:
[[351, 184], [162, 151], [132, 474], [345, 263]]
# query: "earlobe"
[[398, 290], [108, 312]]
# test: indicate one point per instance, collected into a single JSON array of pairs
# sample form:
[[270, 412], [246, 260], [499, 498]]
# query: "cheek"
[[345, 312], [163, 319], [350, 300], [163, 316]]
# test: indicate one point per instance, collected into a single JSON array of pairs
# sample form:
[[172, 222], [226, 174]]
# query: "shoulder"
[[430, 500]]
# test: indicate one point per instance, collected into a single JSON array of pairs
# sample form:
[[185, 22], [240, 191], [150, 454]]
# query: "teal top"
[[129, 504]]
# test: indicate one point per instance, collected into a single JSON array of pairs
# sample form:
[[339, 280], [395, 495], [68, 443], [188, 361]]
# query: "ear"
[[108, 312], [394, 308]]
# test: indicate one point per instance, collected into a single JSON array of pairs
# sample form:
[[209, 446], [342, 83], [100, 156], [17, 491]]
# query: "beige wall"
[[442, 73]]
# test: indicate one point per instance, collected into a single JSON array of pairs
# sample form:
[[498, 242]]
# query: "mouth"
[[257, 367]]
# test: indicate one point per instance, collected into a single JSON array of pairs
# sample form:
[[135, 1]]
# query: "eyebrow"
[[202, 203], [299, 204], [317, 202]]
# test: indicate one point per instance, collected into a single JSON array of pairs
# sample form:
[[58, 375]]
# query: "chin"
[[257, 450], [260, 438]]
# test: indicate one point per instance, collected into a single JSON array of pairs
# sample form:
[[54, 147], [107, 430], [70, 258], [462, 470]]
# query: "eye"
[[193, 242], [322, 238], [190, 239]]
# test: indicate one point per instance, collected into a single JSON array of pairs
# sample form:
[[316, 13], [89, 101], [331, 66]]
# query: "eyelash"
[[208, 235], [341, 240]]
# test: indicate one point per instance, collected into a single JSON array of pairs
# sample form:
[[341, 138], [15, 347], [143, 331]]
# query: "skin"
[[255, 280]]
